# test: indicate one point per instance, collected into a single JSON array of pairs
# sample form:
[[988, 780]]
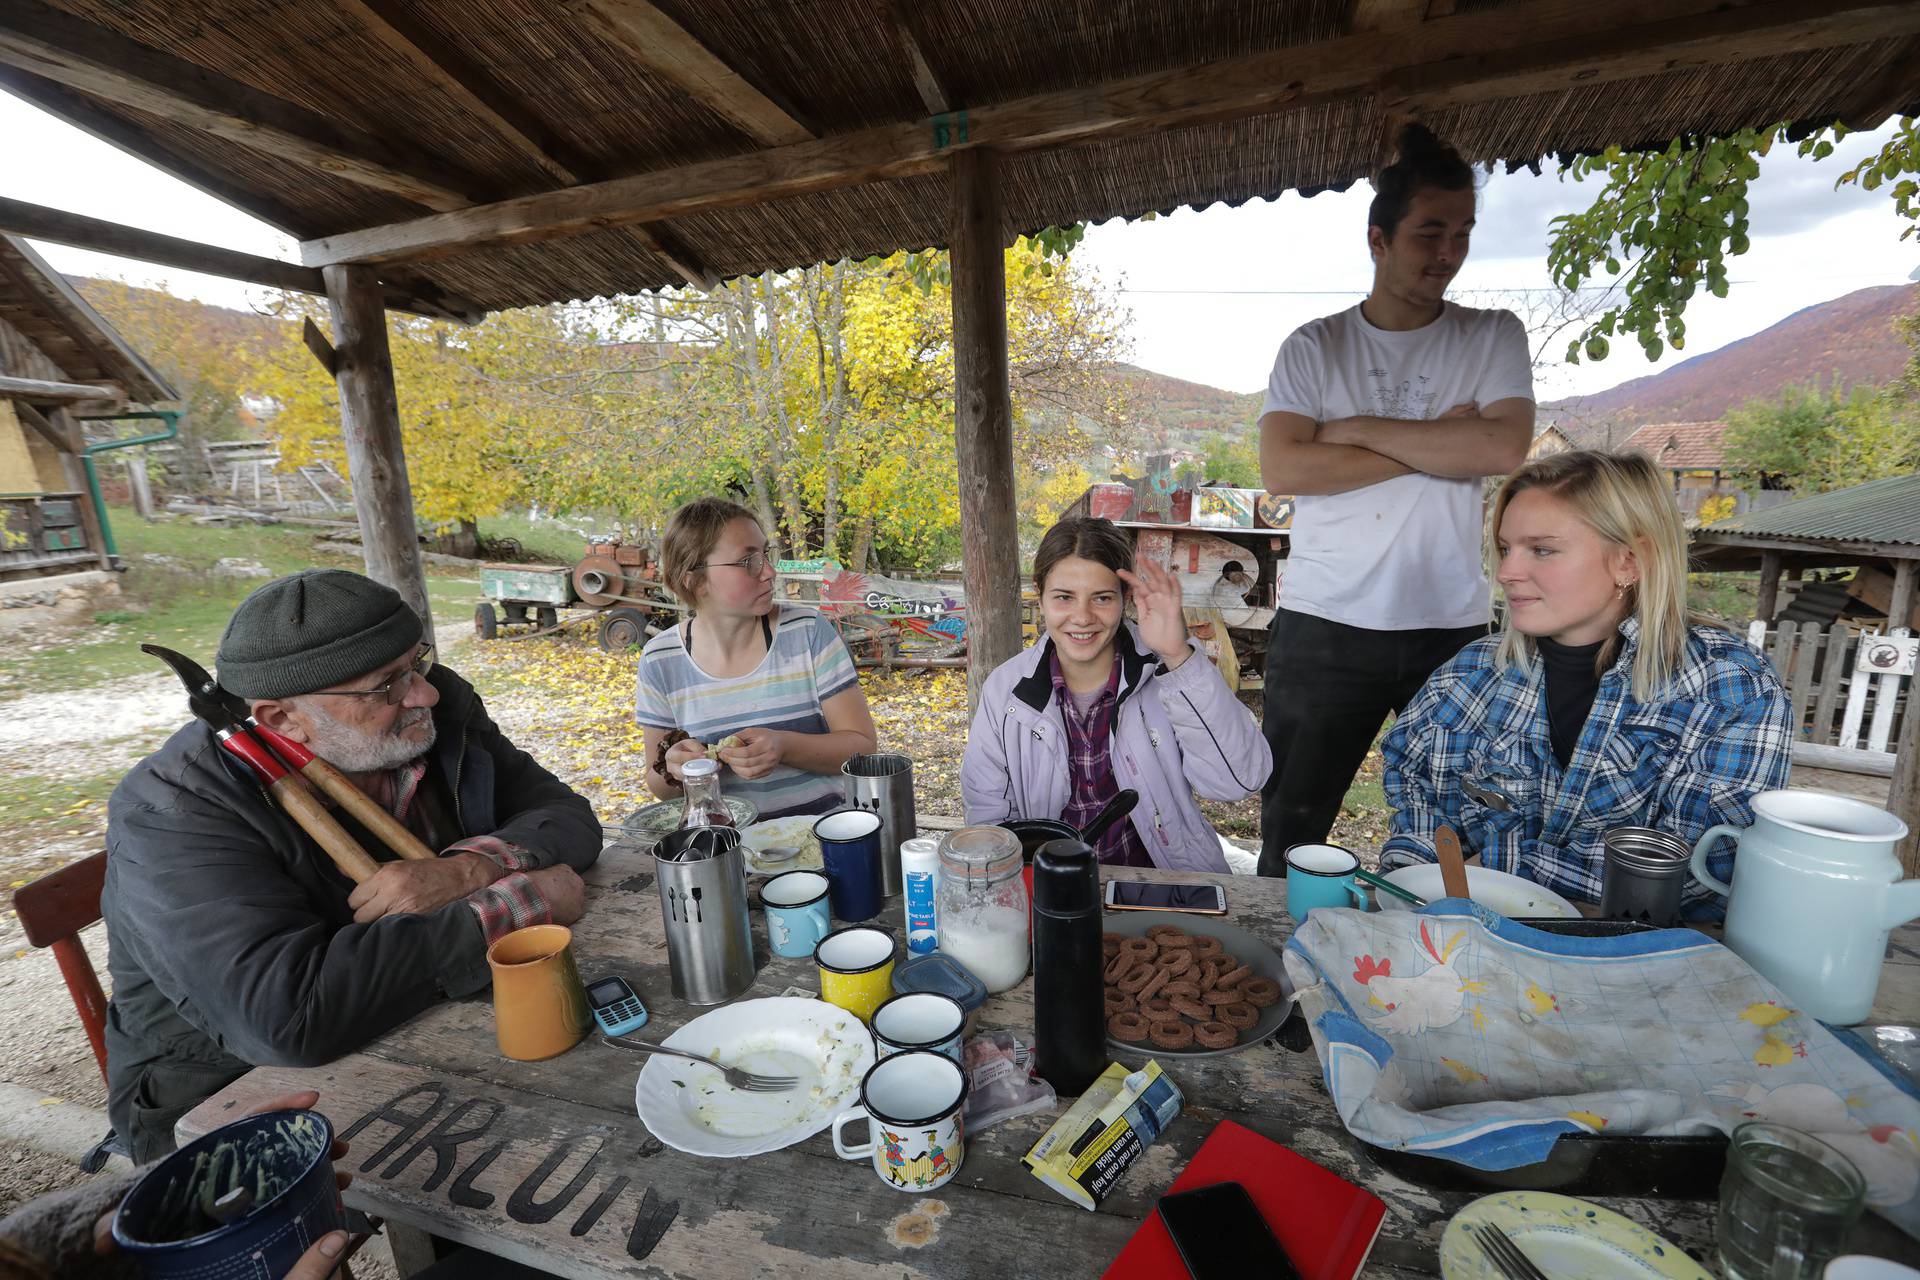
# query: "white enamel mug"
[[912, 1103], [919, 1020]]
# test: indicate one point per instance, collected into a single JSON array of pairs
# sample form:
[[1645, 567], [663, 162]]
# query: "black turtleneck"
[[1571, 684]]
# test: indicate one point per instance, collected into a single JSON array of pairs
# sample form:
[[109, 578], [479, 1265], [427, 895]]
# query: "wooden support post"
[[1769, 586], [370, 425], [983, 416], [138, 489], [1900, 609]]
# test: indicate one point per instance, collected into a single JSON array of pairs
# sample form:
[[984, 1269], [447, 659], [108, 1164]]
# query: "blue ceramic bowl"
[[280, 1155]]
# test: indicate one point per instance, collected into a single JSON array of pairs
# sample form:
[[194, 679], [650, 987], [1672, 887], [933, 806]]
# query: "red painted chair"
[[53, 910]]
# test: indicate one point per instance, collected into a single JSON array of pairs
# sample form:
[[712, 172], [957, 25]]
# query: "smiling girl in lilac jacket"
[[1101, 704]]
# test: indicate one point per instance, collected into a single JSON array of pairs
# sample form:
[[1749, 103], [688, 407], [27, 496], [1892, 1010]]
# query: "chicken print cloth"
[[1455, 1032]]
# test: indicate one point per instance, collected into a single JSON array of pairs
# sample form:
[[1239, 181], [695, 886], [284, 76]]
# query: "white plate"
[[795, 832], [1562, 1237], [1510, 895], [688, 1106]]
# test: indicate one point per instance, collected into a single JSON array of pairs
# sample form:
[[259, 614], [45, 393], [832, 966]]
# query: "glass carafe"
[[705, 806]]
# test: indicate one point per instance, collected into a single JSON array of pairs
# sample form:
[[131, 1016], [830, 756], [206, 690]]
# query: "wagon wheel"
[[622, 628], [547, 617], [486, 624]]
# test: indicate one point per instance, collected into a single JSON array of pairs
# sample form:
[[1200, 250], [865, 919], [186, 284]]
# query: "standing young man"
[[1381, 420]]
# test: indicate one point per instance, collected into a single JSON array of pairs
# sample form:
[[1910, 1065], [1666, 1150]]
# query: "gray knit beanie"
[[312, 629]]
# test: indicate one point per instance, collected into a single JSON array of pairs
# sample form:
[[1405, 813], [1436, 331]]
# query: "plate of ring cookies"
[[1182, 985]]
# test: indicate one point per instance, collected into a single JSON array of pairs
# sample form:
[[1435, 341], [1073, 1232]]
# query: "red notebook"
[[1325, 1223]]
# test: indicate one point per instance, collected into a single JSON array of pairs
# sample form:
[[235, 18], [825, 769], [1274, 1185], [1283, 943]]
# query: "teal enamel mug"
[[1321, 875], [796, 907]]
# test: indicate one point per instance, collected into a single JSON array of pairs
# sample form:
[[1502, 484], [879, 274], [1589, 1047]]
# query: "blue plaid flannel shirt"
[[1689, 760]]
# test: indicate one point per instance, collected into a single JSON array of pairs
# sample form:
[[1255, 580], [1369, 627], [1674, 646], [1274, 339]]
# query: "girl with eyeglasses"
[[773, 677]]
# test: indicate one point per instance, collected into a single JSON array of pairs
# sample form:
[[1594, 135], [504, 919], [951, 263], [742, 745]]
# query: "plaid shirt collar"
[[1090, 760]]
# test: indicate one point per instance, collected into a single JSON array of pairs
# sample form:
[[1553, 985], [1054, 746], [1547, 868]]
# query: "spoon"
[[232, 1206], [776, 853]]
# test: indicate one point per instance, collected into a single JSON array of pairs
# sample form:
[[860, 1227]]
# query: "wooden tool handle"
[[351, 798], [305, 808], [1453, 868], [366, 811]]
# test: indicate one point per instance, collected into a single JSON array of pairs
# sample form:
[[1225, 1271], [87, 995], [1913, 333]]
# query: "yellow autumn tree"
[[483, 410]]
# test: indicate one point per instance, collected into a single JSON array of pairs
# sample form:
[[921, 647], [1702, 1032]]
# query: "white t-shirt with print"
[[1404, 553]]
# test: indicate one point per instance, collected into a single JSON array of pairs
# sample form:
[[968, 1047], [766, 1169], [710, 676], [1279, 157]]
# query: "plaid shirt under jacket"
[[1693, 758], [513, 901]]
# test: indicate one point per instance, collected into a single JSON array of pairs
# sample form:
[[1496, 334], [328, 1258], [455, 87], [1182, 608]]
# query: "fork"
[[745, 1080], [1504, 1254]]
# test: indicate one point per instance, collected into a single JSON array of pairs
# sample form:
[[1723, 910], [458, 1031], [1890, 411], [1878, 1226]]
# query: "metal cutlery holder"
[[1642, 876], [883, 784], [702, 877]]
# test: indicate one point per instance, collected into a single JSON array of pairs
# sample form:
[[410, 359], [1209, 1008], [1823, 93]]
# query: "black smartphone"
[[1221, 1235], [1200, 898]]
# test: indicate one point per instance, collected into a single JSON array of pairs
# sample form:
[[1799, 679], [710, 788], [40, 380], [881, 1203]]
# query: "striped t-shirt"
[[806, 664]]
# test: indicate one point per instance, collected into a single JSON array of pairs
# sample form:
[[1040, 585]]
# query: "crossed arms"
[[1301, 456]]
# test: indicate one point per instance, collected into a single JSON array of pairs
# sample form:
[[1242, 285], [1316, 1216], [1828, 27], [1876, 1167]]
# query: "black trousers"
[[1329, 688]]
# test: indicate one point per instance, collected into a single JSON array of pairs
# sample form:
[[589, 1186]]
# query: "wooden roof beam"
[[903, 16], [1532, 48], [664, 46], [56, 226], [1382, 15], [40, 391], [103, 64], [487, 100]]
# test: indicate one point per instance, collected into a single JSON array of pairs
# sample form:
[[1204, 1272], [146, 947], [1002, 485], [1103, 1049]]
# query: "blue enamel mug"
[[797, 914], [850, 850], [1321, 875]]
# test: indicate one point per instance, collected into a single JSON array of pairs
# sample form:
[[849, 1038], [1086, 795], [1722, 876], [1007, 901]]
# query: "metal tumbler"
[[883, 784], [1643, 875], [702, 877]]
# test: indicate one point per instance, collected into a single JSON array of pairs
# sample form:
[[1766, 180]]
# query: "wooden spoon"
[[1453, 868]]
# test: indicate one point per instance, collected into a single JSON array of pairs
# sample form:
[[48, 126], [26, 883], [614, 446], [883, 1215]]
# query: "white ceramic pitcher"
[[1816, 890]]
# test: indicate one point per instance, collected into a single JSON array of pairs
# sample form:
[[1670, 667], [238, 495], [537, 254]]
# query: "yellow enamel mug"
[[856, 969]]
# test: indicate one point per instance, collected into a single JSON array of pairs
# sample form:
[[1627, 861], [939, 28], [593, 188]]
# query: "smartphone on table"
[[1198, 897], [1221, 1235]]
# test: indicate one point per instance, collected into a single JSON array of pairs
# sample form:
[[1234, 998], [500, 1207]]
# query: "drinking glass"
[[1787, 1201]]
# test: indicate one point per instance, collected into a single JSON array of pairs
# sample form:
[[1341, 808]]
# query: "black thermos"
[[1069, 1011]]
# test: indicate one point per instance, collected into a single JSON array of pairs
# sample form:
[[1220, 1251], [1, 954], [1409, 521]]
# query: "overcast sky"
[[1212, 292]]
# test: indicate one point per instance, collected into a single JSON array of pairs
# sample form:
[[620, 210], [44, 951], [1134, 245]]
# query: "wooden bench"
[[1846, 687]]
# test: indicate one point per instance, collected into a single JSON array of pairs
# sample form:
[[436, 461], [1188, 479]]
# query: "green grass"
[[181, 603], [29, 800], [548, 543], [1728, 597]]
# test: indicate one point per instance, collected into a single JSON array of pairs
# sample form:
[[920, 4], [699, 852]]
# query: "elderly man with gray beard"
[[235, 942]]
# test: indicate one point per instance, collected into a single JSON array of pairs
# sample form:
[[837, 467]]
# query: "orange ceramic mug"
[[539, 1006]]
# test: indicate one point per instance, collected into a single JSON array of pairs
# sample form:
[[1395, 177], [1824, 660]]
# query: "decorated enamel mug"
[[796, 906], [912, 1103], [856, 969], [920, 1020]]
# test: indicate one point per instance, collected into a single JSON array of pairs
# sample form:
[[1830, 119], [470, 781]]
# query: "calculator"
[[616, 1006]]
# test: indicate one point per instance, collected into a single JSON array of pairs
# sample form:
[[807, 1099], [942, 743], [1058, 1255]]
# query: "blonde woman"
[[774, 679], [1603, 704]]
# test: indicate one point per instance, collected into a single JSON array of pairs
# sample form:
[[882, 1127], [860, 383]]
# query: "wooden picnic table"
[[547, 1162]]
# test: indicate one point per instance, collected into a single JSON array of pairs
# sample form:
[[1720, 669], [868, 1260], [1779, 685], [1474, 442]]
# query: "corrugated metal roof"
[[1877, 511]]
